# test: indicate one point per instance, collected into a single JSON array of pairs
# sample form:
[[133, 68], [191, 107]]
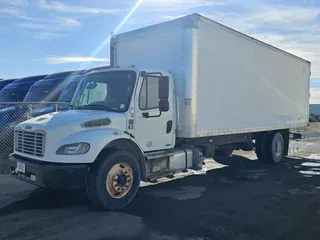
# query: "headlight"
[[73, 149]]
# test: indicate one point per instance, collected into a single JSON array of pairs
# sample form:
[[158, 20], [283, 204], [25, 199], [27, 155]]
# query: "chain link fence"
[[12, 114]]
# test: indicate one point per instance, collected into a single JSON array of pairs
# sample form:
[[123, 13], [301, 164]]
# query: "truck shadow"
[[240, 197], [243, 187]]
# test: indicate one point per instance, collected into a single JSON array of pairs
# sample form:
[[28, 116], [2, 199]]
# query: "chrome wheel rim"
[[119, 180]]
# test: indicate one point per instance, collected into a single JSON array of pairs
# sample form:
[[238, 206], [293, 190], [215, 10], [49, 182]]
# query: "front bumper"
[[48, 175]]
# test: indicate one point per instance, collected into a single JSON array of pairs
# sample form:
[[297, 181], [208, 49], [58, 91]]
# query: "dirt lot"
[[237, 198]]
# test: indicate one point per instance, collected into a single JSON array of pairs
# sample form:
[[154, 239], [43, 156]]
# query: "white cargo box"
[[226, 82]]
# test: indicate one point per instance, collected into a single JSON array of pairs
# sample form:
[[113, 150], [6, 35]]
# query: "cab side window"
[[149, 93]]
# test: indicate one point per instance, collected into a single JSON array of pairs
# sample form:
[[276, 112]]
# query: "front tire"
[[115, 181]]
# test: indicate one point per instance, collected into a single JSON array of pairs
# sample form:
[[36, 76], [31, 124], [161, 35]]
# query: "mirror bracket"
[[147, 115]]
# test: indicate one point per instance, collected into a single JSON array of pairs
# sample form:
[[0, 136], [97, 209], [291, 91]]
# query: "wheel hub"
[[119, 180], [122, 180]]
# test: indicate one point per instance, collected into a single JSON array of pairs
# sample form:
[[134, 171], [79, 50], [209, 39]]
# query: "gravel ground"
[[233, 198], [13, 190]]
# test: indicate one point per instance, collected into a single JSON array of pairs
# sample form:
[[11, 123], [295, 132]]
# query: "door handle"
[[169, 127]]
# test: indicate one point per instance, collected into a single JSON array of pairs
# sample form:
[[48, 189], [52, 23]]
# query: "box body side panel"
[[246, 86]]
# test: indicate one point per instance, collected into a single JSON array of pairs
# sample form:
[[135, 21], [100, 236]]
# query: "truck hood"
[[59, 126], [71, 120]]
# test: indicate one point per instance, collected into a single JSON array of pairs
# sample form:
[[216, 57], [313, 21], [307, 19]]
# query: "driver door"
[[155, 132]]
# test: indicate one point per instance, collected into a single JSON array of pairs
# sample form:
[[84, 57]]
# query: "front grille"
[[32, 143]]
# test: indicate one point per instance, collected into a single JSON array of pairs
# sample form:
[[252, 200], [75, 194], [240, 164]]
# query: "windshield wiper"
[[94, 106]]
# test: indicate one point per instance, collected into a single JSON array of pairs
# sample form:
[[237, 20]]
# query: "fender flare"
[[127, 145]]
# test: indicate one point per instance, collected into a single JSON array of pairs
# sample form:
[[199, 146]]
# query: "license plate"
[[21, 167]]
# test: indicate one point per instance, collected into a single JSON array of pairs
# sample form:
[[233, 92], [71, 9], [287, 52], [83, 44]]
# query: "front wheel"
[[116, 181]]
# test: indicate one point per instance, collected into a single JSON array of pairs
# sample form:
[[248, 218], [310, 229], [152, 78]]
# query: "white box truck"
[[177, 93]]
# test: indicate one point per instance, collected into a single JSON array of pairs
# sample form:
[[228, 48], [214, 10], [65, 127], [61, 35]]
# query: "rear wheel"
[[260, 145], [271, 147], [116, 181]]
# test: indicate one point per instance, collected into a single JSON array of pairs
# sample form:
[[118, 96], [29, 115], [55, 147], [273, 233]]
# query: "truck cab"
[[135, 95], [132, 110]]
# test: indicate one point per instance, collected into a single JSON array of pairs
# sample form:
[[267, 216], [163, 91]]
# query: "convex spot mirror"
[[164, 105], [164, 88]]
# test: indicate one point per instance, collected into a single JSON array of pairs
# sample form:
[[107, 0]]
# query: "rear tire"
[[271, 147], [115, 181], [260, 145]]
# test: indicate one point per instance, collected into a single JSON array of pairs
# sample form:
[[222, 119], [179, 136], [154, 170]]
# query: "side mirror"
[[164, 105], [164, 88]]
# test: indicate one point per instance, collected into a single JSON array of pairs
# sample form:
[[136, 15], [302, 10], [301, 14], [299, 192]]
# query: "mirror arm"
[[146, 115]]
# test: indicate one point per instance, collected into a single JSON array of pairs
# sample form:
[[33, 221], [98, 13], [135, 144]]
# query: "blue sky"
[[44, 36]]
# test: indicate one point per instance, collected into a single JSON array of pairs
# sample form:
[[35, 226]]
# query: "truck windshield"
[[44, 91], [110, 91], [68, 91]]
